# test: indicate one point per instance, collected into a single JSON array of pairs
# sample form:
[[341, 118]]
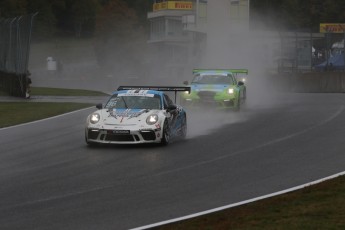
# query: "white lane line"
[[239, 203], [45, 119], [336, 114]]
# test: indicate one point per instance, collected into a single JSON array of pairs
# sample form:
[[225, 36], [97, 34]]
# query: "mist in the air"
[[232, 44], [108, 63]]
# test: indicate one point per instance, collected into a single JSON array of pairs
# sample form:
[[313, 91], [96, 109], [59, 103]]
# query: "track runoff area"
[[239, 203]]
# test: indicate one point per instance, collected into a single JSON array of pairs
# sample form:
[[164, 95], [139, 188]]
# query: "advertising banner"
[[332, 28], [173, 5]]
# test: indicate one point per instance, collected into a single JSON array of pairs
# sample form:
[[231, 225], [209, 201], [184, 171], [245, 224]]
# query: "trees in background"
[[119, 36], [79, 17], [83, 14], [57, 17], [297, 15], [12, 8], [113, 24]]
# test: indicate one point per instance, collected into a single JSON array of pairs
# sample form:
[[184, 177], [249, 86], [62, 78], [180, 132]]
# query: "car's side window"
[[165, 104], [167, 101], [233, 79]]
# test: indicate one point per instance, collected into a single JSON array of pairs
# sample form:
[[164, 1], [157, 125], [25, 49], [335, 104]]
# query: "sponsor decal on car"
[[121, 132], [137, 93], [130, 113]]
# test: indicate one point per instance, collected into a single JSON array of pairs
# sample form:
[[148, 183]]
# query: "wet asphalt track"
[[51, 180]]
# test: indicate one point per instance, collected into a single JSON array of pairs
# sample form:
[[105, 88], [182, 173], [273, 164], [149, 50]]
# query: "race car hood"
[[209, 87], [125, 116]]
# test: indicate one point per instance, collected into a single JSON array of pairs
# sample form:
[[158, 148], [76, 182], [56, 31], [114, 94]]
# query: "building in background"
[[216, 34], [182, 32]]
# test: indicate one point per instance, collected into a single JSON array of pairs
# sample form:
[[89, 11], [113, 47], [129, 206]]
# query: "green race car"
[[218, 87]]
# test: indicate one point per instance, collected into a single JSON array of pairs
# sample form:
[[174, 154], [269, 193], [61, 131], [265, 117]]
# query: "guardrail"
[[312, 82]]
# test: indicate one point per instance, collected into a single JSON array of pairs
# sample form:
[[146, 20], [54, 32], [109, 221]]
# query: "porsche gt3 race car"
[[135, 115], [219, 87]]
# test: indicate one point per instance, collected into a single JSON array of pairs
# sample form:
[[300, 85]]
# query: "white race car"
[[135, 114]]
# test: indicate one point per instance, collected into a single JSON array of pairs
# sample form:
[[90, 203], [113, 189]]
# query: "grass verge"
[[320, 206], [14, 113], [42, 91]]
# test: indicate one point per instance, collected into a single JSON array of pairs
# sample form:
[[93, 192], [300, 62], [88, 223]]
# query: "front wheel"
[[244, 96], [166, 133], [237, 104], [184, 128]]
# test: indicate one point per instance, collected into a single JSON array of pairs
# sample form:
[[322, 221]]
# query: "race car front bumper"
[[210, 98], [110, 136]]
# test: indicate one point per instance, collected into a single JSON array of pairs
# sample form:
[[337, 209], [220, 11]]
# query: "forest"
[[85, 18]]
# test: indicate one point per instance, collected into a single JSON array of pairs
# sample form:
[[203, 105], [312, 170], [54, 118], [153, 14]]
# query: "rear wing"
[[158, 88], [234, 71]]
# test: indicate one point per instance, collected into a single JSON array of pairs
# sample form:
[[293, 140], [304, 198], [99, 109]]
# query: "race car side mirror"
[[99, 106], [171, 107], [240, 83], [185, 82]]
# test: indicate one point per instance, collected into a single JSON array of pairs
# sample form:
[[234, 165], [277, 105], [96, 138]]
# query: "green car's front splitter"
[[218, 105], [221, 101]]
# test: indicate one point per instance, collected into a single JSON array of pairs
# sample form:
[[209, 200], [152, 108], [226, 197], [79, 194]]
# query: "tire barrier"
[[12, 84]]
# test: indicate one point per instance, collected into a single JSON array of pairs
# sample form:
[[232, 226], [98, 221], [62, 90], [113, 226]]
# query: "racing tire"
[[244, 96], [166, 133], [237, 105]]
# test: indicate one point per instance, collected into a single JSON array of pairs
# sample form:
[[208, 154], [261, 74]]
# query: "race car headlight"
[[230, 91], [152, 119], [95, 117]]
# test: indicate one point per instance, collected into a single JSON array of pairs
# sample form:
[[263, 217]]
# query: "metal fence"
[[15, 39], [296, 51], [305, 52]]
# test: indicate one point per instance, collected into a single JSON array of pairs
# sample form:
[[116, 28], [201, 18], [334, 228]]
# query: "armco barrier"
[[312, 82]]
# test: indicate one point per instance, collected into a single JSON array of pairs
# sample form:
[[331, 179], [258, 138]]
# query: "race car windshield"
[[133, 102], [212, 79]]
